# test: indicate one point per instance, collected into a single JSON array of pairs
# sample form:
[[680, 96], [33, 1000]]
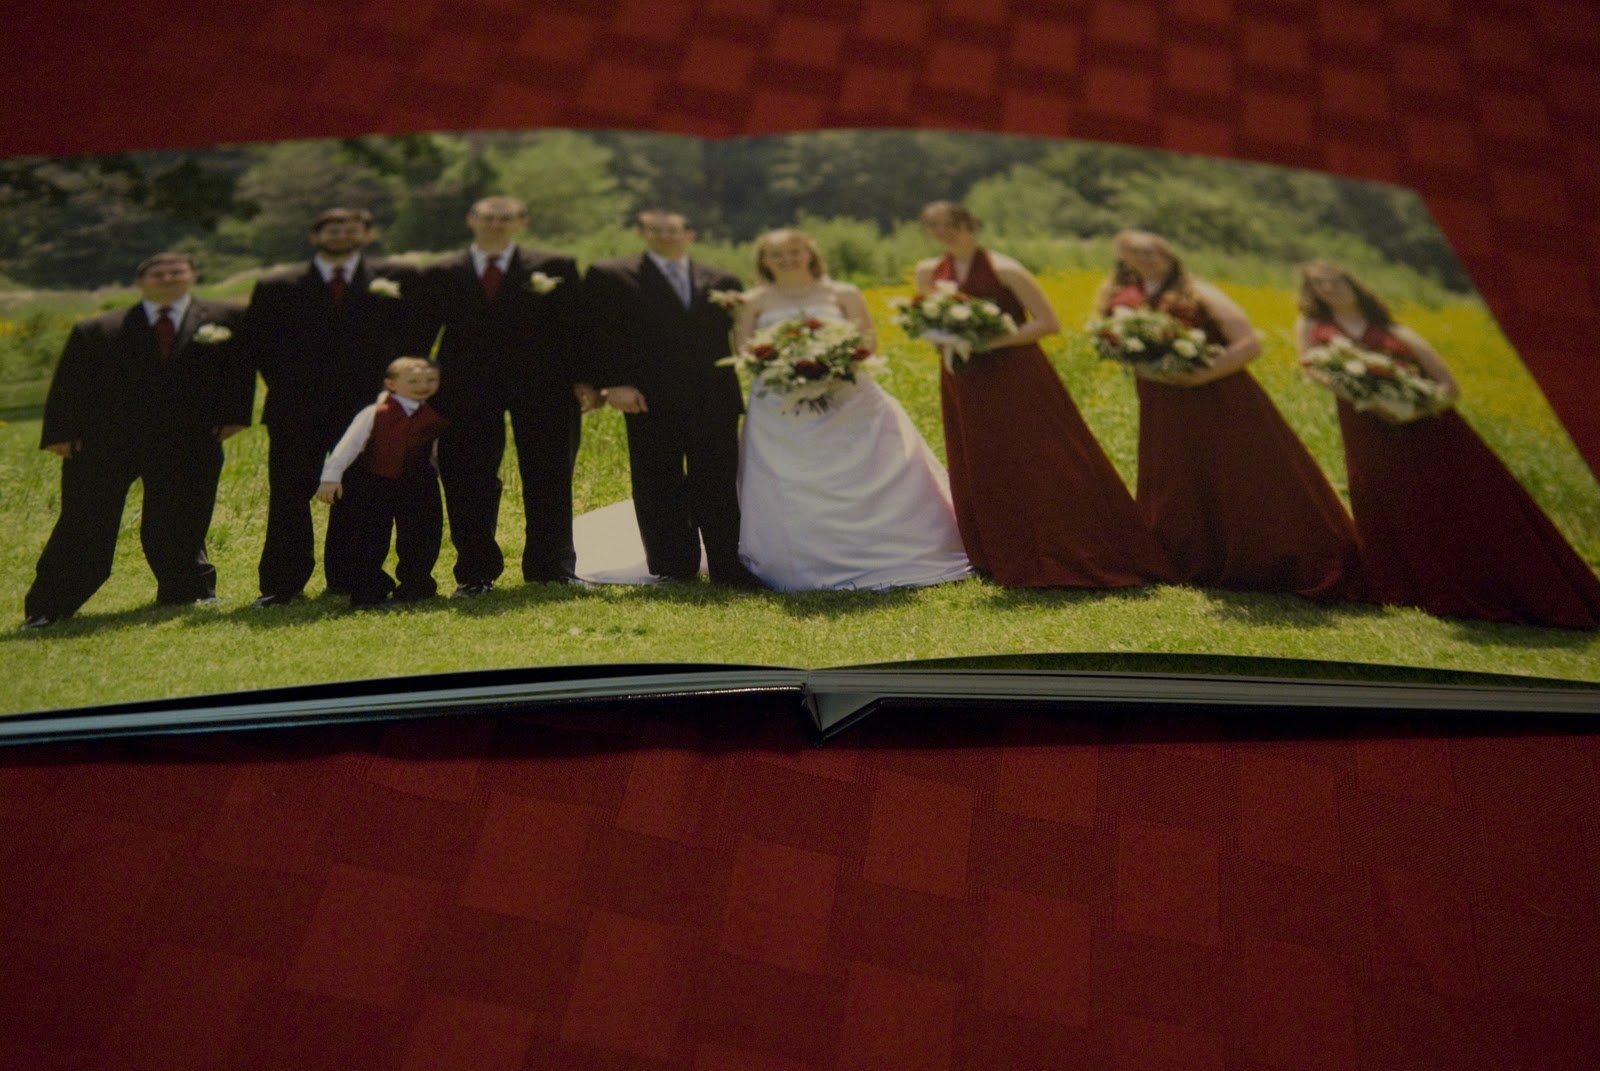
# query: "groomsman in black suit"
[[147, 393], [655, 336], [321, 334], [505, 317]]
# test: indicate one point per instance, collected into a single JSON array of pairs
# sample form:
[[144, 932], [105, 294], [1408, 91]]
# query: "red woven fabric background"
[[695, 887]]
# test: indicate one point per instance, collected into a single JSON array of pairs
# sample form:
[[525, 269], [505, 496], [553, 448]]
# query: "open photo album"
[[394, 425]]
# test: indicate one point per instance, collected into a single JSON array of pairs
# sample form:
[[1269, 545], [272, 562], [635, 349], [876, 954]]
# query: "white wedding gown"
[[846, 498]]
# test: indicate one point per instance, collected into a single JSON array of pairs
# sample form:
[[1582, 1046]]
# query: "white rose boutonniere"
[[384, 288], [726, 299], [540, 283], [212, 334]]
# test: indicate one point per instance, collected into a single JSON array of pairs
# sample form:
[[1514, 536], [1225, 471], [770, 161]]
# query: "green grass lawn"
[[122, 648]]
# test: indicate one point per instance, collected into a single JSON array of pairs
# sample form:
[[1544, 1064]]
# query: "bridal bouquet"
[[805, 360], [946, 317], [1370, 380], [1149, 339]]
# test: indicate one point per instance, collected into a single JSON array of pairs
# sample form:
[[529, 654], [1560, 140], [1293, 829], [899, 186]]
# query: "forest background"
[[71, 232], [72, 227]]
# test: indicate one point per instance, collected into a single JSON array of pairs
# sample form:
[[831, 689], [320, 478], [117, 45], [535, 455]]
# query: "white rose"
[[945, 286], [1184, 348], [1355, 367], [386, 288], [211, 334], [1133, 345], [540, 283], [960, 312], [930, 307]]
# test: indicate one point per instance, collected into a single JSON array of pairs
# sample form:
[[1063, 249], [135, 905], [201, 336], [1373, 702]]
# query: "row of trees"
[[85, 222]]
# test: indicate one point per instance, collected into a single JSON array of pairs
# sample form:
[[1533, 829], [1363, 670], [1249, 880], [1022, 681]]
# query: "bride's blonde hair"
[[818, 266]]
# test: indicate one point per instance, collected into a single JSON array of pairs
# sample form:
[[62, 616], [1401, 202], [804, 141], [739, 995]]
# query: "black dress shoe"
[[741, 578], [412, 593], [677, 578], [273, 600], [473, 589], [38, 621], [552, 578]]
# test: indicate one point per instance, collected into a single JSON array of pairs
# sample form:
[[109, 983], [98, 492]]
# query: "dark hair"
[[956, 212], [166, 258], [1373, 310], [341, 215], [1177, 283]]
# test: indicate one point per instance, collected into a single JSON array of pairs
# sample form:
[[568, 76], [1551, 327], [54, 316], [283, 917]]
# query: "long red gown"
[[1038, 503], [1445, 527], [1234, 497]]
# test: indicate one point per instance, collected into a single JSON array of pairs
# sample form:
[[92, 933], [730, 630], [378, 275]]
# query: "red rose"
[[764, 353], [809, 369], [812, 323], [860, 353], [1378, 371]]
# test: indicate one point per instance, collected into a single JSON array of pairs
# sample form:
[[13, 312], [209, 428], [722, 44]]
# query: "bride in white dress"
[[848, 497]]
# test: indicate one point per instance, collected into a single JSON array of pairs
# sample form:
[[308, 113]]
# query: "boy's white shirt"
[[354, 440]]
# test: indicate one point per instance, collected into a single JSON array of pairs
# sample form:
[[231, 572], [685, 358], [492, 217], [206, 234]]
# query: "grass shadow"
[[86, 624], [1524, 637], [1004, 598], [12, 411], [1283, 611], [835, 605]]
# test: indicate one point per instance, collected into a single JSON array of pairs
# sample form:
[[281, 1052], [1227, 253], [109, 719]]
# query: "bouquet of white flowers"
[[956, 321], [1370, 380], [1151, 340], [805, 360]]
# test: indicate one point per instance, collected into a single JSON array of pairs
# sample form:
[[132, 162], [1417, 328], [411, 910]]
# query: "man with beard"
[[321, 334]]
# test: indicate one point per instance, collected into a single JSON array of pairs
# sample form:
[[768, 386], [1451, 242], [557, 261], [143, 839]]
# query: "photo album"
[[388, 426]]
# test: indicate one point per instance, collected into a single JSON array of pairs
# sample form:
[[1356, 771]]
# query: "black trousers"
[[288, 555], [684, 467], [546, 432], [373, 506], [180, 493]]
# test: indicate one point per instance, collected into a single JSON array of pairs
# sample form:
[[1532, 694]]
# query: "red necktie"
[[166, 332], [337, 284], [491, 278]]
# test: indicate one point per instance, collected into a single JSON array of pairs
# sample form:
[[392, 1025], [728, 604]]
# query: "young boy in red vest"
[[382, 476]]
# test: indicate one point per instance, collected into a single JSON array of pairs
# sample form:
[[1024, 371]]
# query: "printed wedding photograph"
[[314, 412]]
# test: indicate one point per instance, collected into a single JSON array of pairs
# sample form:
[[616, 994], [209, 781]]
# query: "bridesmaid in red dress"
[[1443, 525], [1228, 489], [1038, 503]]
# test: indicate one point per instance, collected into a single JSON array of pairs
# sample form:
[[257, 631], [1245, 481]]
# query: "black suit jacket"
[[321, 360], [641, 335], [114, 390], [520, 347]]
